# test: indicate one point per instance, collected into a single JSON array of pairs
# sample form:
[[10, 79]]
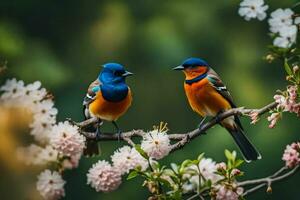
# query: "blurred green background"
[[63, 44]]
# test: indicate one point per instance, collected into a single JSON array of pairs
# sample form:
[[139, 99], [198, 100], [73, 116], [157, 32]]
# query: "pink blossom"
[[254, 117], [103, 177], [235, 172], [292, 90], [289, 102], [291, 155], [50, 185], [66, 139], [126, 158], [280, 100], [273, 119], [221, 166], [227, 193]]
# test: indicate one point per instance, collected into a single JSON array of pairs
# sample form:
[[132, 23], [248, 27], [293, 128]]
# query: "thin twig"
[[268, 181], [253, 189]]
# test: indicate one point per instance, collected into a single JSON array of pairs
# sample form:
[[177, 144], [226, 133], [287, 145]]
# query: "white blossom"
[[30, 155], [50, 185], [208, 169], [280, 18], [103, 177], [41, 128], [35, 93], [126, 158], [48, 154], [253, 9], [66, 139], [12, 91], [45, 109], [156, 144], [287, 37]]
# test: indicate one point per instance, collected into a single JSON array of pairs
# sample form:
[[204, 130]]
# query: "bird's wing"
[[90, 97], [217, 83], [91, 93]]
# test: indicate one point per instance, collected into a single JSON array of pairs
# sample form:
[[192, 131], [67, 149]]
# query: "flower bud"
[[295, 69], [221, 166], [288, 78], [152, 187], [235, 172], [269, 189], [269, 58]]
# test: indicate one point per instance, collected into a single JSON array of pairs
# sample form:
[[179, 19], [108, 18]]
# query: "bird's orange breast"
[[204, 99], [109, 111]]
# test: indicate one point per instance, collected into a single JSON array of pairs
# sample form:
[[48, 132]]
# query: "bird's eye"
[[118, 73]]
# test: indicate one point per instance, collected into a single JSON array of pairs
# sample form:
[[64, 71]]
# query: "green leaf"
[[228, 155], [200, 157], [168, 172], [287, 67], [141, 151], [132, 175], [174, 167], [238, 163], [154, 164]]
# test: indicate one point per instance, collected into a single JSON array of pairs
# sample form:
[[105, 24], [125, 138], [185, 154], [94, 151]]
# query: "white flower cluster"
[[32, 98], [56, 143], [281, 21], [250, 9], [127, 158], [67, 140], [208, 169], [51, 185], [106, 177], [156, 144], [283, 24]]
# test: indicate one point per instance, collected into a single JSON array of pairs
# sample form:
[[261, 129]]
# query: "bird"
[[208, 96], [107, 98]]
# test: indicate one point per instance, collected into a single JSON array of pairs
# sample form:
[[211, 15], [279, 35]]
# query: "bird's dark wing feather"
[[89, 98], [217, 83]]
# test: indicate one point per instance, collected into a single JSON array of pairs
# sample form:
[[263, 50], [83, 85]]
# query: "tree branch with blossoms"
[[58, 146], [181, 138]]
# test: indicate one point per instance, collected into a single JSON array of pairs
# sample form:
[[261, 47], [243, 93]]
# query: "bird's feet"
[[119, 132], [98, 133], [217, 117], [201, 123]]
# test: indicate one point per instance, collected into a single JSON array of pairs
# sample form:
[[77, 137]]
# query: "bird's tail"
[[248, 150], [92, 148]]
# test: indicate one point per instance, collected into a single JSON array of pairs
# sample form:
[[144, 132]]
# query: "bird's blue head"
[[192, 63], [113, 73], [193, 67]]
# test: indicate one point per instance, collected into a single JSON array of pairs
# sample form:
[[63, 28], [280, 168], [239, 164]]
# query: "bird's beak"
[[180, 67], [127, 73]]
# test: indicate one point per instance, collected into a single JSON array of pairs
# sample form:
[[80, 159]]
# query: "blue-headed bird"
[[208, 96], [107, 98]]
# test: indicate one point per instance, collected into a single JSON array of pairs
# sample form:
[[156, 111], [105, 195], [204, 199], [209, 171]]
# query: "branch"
[[277, 176], [181, 138]]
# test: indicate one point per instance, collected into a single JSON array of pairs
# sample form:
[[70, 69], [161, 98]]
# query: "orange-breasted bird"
[[107, 98], [208, 96]]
